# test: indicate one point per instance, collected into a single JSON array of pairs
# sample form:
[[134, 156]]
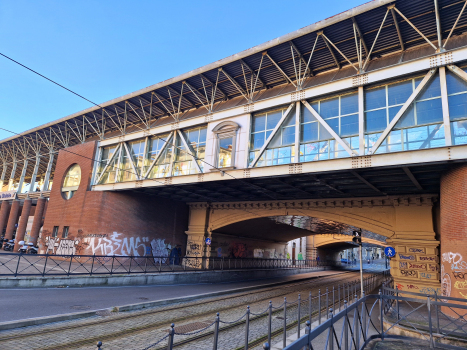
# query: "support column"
[[12, 175], [38, 219], [10, 227], [361, 121], [23, 222], [34, 173], [198, 231], [4, 212], [2, 177], [415, 267], [47, 173], [453, 233], [23, 175]]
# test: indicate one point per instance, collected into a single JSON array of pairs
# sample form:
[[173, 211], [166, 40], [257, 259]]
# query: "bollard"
[[266, 346], [247, 326], [216, 333], [269, 323], [308, 331], [99, 344], [170, 342]]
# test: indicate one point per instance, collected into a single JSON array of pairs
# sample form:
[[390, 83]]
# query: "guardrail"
[[275, 320], [378, 316], [14, 264]]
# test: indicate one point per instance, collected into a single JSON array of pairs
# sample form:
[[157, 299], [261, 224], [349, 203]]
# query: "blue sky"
[[107, 48]]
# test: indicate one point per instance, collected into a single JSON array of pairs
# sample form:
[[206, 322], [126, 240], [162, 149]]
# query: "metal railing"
[[382, 317], [14, 264], [274, 321]]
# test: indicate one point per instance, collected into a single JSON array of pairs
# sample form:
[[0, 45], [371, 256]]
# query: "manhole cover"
[[143, 298], [104, 313], [80, 307], [190, 327]]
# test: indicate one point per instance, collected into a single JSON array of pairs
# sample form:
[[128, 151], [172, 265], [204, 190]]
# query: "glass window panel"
[[307, 116], [349, 125], [315, 106], [309, 132], [432, 90], [407, 120], [399, 93], [454, 83], [192, 136], [259, 123], [334, 124], [394, 141], [458, 107], [258, 140], [273, 119], [459, 132], [349, 104], [375, 120], [288, 135], [329, 108], [225, 152], [290, 120], [323, 133], [276, 140], [429, 111], [202, 135], [375, 98]]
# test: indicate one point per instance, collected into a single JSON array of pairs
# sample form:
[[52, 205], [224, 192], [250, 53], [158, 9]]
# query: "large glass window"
[[225, 152], [161, 168], [183, 164], [420, 127], [110, 173], [457, 98], [280, 150], [341, 114]]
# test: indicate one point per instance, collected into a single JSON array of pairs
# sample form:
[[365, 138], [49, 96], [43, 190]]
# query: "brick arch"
[[378, 220]]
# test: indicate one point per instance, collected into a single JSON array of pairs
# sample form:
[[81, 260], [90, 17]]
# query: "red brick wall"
[[108, 223], [453, 223]]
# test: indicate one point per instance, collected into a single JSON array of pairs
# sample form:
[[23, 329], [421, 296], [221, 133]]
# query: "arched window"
[[226, 140], [72, 181]]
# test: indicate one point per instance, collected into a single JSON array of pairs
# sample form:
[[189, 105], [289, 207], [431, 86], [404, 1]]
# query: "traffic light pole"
[[361, 270]]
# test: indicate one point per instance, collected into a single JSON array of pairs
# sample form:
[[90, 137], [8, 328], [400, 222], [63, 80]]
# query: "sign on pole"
[[208, 241], [390, 252]]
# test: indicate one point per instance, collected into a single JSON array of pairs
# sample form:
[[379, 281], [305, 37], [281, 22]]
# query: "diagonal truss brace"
[[234, 82], [164, 146], [117, 150], [190, 151], [404, 108], [280, 69], [329, 129], [130, 158], [273, 133]]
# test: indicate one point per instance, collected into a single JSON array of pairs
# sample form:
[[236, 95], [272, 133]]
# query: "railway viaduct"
[[356, 121]]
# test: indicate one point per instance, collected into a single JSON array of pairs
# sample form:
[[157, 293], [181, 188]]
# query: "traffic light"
[[357, 237]]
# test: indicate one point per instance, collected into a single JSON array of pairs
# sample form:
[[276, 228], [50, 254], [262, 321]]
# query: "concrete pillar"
[[198, 231], [23, 222], [4, 212], [415, 267], [37, 222], [453, 233], [10, 227]]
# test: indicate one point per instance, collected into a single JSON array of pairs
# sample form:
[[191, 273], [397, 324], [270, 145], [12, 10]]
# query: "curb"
[[138, 306]]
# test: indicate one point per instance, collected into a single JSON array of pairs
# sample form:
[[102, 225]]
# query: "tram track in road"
[[139, 322]]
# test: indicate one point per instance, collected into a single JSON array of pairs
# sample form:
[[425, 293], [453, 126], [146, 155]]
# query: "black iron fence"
[[276, 320], [13, 264], [440, 322]]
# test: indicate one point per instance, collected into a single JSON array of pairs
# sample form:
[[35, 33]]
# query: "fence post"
[[99, 344], [69, 266], [339, 296], [112, 266], [309, 306], [129, 267], [247, 326], [92, 264], [269, 322], [327, 302], [397, 303], [363, 317], [331, 341], [346, 329], [45, 264], [284, 336], [170, 343], [266, 346], [216, 332], [381, 313], [299, 306], [319, 306], [308, 331], [437, 313], [333, 297], [430, 325], [17, 265]]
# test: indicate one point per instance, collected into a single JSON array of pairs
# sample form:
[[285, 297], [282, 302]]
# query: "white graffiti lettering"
[[452, 258]]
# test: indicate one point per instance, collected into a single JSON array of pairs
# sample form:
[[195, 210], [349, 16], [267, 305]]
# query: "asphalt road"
[[24, 303]]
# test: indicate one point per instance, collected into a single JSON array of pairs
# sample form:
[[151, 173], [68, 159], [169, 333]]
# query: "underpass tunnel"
[[289, 236]]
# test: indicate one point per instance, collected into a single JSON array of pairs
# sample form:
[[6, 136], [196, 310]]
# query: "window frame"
[[225, 130]]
